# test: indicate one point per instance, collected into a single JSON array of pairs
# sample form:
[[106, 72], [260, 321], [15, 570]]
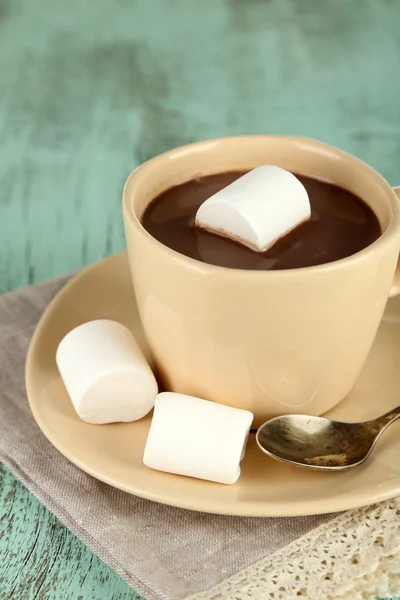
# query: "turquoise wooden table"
[[88, 90]]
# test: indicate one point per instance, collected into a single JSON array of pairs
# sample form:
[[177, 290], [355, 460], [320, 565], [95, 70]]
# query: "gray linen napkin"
[[162, 552]]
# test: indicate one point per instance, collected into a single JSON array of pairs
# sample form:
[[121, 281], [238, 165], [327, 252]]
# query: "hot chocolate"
[[341, 224]]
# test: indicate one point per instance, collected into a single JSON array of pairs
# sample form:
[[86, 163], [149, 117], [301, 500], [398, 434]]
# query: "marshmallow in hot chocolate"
[[257, 209], [197, 438]]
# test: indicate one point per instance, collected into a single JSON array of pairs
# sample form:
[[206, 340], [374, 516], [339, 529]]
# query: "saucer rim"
[[246, 508]]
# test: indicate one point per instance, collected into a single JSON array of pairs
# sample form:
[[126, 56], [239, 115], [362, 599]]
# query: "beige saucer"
[[113, 453]]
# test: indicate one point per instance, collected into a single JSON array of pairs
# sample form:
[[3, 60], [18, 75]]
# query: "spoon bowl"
[[320, 443]]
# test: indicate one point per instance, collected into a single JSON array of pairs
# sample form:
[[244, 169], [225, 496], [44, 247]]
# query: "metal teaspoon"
[[320, 443]]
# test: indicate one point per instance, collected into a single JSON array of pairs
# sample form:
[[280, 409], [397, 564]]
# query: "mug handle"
[[395, 290]]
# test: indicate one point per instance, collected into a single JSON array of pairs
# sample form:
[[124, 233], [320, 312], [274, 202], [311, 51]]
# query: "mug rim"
[[131, 218]]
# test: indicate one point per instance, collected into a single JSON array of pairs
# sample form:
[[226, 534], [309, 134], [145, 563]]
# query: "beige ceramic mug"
[[272, 342]]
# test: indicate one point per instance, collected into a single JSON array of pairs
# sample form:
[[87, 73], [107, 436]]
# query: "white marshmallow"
[[197, 438], [106, 375], [257, 209]]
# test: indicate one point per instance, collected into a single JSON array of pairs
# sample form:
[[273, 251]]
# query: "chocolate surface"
[[341, 224]]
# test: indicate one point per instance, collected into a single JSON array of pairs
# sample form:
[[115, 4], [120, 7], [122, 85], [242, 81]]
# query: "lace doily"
[[356, 556]]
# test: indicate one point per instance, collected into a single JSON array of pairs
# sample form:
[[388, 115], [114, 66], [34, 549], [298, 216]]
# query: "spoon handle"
[[387, 419]]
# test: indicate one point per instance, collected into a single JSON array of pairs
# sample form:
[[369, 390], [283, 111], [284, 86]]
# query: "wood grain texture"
[[41, 560], [89, 90]]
